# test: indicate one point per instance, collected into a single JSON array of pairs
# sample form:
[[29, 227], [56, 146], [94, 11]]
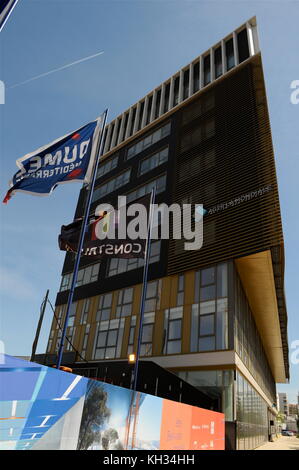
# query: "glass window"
[[104, 307], [196, 77], [153, 161], [180, 294], [208, 276], [120, 265], [88, 274], [206, 325], [218, 62], [107, 166], [124, 302], [159, 183], [206, 343], [172, 330], [229, 50], [149, 140], [243, 48], [108, 339], [85, 310], [112, 185], [207, 69]]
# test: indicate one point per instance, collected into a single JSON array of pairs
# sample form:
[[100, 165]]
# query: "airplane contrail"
[[56, 70]]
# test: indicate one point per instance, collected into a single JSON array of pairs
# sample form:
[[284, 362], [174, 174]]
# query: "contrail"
[[56, 70]]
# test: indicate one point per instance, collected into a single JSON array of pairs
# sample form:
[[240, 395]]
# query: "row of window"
[[112, 185], [205, 160], [149, 140], [115, 266], [197, 135], [177, 89]]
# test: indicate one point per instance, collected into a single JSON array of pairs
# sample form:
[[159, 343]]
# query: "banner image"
[[67, 159], [42, 408], [109, 233]]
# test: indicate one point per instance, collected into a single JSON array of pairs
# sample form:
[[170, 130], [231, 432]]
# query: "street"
[[283, 443]]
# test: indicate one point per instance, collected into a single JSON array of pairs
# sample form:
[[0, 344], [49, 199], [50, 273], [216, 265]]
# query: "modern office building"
[[283, 405], [216, 317]]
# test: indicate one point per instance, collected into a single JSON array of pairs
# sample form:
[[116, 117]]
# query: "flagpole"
[[99, 148], [144, 288]]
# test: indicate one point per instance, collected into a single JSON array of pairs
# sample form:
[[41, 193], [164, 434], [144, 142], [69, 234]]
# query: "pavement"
[[282, 443]]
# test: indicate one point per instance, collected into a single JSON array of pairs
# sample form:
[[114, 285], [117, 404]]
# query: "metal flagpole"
[[144, 287], [81, 239], [39, 325]]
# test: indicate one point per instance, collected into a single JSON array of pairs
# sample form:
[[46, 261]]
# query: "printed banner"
[[67, 159], [110, 226]]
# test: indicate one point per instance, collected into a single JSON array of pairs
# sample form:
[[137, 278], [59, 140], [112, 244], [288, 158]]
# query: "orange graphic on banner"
[[185, 427]]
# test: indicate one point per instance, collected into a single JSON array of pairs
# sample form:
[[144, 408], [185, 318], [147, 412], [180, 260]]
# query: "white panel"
[[152, 116]]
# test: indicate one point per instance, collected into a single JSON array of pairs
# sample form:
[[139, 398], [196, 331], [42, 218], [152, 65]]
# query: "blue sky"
[[144, 42]]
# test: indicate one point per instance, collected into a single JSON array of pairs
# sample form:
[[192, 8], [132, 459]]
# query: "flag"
[[6, 8], [69, 158], [108, 222]]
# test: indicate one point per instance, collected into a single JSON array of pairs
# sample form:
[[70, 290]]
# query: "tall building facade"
[[216, 317]]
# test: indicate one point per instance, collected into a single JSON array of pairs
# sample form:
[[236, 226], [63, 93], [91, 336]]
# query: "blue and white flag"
[[67, 159]]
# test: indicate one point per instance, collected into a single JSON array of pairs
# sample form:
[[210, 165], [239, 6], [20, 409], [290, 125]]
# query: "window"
[[60, 314], [153, 161], [173, 330], [207, 69], [132, 335], [88, 274], [186, 84], [243, 48], [166, 98], [124, 302], [112, 185], [107, 166], [218, 62], [199, 107], [176, 91], [108, 340], [209, 317], [149, 109], [104, 307], [201, 162], [152, 298], [85, 310], [229, 50], [121, 265], [196, 77], [180, 294], [65, 282], [198, 134], [159, 183], [50, 342], [85, 340], [158, 102], [147, 334], [148, 141]]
